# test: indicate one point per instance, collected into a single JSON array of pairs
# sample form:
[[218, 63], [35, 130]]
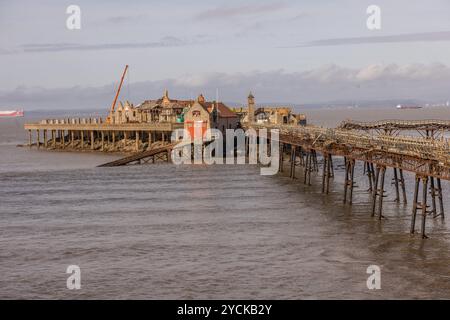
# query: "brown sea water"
[[166, 231]]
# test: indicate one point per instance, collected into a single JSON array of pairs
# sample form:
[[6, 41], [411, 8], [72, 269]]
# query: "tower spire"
[[251, 108]]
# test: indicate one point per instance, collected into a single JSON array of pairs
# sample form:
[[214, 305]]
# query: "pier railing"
[[430, 124], [418, 154], [98, 125]]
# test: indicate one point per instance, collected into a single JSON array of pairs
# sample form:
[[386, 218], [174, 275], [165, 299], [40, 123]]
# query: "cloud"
[[226, 12], [398, 38], [64, 47], [327, 83]]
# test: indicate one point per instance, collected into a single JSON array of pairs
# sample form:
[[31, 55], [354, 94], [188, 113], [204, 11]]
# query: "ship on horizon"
[[408, 107], [11, 113]]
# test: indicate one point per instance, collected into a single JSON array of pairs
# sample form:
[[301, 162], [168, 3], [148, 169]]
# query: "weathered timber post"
[[137, 140], [82, 139], [45, 138], [113, 140], [103, 140], [280, 167], [125, 136], [30, 140], [92, 140], [72, 139], [38, 139], [54, 138]]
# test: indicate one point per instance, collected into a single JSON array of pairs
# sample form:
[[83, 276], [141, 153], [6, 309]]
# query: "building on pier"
[[210, 115], [269, 115], [167, 110]]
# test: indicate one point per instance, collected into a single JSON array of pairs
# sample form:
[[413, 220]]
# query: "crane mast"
[[111, 112]]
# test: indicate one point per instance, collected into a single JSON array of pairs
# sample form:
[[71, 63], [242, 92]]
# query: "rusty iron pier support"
[[326, 174], [436, 192], [370, 171], [403, 186], [293, 160], [378, 191], [399, 182], [420, 205], [441, 203], [315, 164], [38, 141], [309, 167], [280, 167], [349, 179], [45, 138], [301, 154]]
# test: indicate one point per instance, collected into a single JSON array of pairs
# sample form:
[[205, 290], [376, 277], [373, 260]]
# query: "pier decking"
[[145, 156], [94, 134]]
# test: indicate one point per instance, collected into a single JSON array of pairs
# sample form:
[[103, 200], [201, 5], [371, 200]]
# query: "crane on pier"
[[111, 111]]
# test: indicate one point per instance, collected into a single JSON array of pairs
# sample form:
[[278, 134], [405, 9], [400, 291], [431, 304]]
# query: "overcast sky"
[[285, 51]]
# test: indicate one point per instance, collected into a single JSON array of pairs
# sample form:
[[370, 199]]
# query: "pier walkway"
[[142, 157], [426, 128]]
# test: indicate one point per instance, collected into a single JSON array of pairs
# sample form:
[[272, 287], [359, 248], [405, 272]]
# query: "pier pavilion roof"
[[166, 102]]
